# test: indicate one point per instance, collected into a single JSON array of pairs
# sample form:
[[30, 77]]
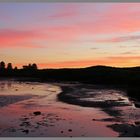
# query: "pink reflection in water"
[[56, 119]]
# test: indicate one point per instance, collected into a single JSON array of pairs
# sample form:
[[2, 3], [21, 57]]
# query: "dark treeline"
[[128, 78]]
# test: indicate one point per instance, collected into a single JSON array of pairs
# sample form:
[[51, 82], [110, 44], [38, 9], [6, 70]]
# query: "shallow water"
[[19, 101]]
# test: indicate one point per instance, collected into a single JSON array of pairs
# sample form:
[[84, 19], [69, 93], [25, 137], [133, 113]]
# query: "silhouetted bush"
[[2, 65], [9, 66]]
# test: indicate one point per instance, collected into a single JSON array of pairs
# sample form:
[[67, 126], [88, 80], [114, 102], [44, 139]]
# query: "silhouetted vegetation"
[[2, 65], [9, 66], [30, 67], [127, 78]]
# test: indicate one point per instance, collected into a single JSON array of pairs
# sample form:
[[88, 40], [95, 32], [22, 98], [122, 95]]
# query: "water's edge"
[[81, 109]]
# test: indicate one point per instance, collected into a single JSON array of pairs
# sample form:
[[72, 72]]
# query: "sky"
[[70, 35]]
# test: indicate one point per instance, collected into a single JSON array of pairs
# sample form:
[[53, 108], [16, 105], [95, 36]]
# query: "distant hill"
[[94, 74]]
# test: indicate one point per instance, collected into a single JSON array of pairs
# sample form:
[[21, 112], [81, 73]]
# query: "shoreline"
[[67, 97], [124, 129], [44, 115], [75, 94]]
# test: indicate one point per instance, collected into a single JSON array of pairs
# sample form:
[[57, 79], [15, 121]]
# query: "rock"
[[70, 130], [137, 104], [137, 122], [24, 119], [37, 126], [36, 113], [26, 131], [25, 124], [93, 119]]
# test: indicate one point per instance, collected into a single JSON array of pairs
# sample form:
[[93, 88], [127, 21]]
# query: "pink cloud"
[[66, 11], [25, 38], [62, 33], [117, 18], [16, 37]]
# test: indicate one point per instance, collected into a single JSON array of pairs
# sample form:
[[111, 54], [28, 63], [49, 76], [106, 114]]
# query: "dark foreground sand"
[[125, 115]]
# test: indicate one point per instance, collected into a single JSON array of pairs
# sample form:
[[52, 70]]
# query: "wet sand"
[[123, 112], [37, 110]]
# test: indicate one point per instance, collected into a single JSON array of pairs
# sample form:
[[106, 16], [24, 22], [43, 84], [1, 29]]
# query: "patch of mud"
[[34, 122], [10, 99], [126, 130], [92, 97], [125, 115]]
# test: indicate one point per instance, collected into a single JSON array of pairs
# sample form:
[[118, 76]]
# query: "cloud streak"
[[11, 38], [108, 21], [120, 39]]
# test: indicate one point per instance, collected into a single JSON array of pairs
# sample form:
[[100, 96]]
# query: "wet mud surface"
[[35, 109]]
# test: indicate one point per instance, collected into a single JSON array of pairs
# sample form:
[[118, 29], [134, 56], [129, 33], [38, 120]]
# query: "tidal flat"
[[31, 109]]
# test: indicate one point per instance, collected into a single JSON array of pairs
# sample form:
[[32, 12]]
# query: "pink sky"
[[56, 35]]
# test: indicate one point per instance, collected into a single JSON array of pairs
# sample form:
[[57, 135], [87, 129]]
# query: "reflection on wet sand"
[[33, 109]]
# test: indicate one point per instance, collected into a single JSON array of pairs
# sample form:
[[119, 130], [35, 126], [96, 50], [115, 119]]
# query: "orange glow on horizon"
[[128, 61], [70, 35]]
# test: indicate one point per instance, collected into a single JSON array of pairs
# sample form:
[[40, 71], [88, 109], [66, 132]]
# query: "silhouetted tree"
[[27, 67], [15, 68], [34, 66], [30, 67], [9, 66], [2, 65]]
